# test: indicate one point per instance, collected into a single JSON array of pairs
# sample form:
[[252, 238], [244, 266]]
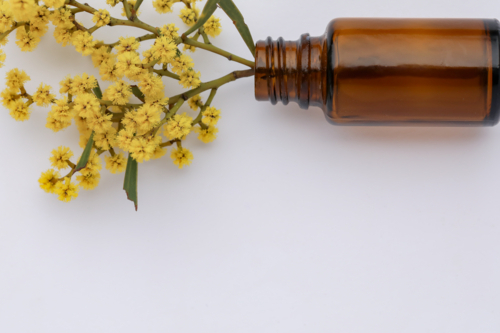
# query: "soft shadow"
[[314, 122]]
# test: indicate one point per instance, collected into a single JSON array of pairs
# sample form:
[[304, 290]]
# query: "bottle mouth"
[[263, 70]]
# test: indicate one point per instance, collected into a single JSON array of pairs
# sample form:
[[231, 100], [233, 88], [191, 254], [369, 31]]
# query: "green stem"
[[167, 73], [136, 23], [14, 27], [146, 37], [91, 30], [212, 84], [168, 143], [214, 49], [205, 37], [126, 6], [137, 5], [211, 97], [197, 120], [169, 114], [114, 21]]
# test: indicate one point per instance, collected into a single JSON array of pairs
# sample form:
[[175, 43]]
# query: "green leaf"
[[86, 153], [234, 14], [130, 181], [138, 93], [97, 91], [208, 10]]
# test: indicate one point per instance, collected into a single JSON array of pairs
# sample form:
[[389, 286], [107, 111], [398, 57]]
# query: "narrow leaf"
[[82, 163], [97, 91], [234, 14], [208, 10], [138, 93], [130, 181]]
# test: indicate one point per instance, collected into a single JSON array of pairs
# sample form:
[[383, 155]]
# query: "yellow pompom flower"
[[23, 10], [129, 44], [116, 164], [181, 157], [60, 157], [43, 97], [19, 110], [84, 43], [55, 124], [124, 138], [38, 28], [6, 17], [66, 85], [147, 56], [87, 105], [142, 149], [27, 41], [129, 121], [48, 180], [108, 70], [61, 17], [210, 116], [39, 22], [178, 126], [169, 31], [81, 84], [182, 63], [119, 92], [66, 190], [101, 55], [89, 181], [208, 134], [105, 140], [101, 17], [54, 3], [62, 111], [151, 85], [99, 122], [16, 78], [212, 27], [163, 6], [159, 152], [190, 79], [9, 96], [147, 117], [63, 35], [194, 102], [127, 64], [188, 16], [164, 49]]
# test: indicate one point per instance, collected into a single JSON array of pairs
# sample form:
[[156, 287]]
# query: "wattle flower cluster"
[[132, 120]]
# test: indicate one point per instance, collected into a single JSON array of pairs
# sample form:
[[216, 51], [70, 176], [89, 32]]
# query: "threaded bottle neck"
[[292, 71]]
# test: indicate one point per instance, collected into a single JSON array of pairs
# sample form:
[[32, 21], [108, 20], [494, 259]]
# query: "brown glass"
[[388, 71]]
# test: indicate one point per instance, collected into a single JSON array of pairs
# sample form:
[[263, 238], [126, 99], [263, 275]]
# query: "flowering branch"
[[109, 123]]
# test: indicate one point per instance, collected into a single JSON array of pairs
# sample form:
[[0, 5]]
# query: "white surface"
[[283, 224]]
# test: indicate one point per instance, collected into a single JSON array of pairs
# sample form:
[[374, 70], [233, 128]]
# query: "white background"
[[283, 224]]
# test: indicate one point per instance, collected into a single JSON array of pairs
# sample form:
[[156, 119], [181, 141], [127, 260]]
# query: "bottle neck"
[[292, 71]]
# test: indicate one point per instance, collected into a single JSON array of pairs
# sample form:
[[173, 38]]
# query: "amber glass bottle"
[[388, 71]]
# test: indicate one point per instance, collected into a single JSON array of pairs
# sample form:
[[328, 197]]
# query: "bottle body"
[[388, 71]]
